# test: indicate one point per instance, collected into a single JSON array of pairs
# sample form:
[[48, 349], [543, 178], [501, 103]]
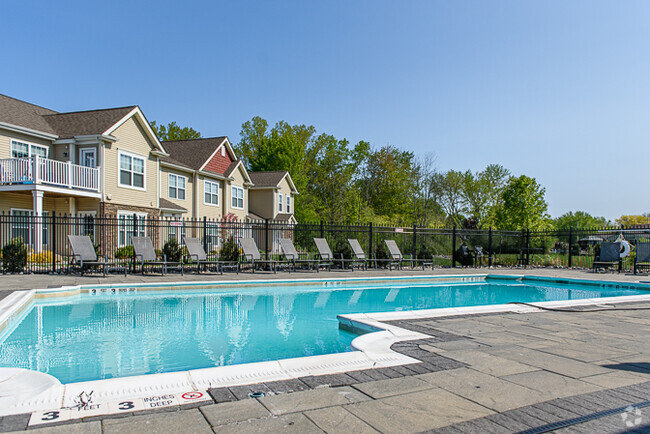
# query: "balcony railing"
[[39, 170]]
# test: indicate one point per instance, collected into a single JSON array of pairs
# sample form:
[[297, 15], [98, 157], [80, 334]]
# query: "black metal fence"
[[48, 250]]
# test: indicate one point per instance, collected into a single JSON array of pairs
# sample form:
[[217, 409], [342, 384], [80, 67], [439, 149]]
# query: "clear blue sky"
[[557, 90]]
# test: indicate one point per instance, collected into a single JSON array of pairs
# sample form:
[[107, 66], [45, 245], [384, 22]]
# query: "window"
[[288, 204], [237, 197], [26, 150], [22, 225], [126, 226], [211, 190], [86, 221], [177, 186], [131, 171], [280, 199]]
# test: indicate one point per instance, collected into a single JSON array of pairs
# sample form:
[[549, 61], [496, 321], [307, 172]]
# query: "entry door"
[[88, 157]]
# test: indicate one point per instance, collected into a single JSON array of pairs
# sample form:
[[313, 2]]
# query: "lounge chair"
[[325, 254], [196, 253], [84, 255], [292, 256], [610, 254], [642, 258], [359, 254], [252, 254], [398, 258], [146, 255]]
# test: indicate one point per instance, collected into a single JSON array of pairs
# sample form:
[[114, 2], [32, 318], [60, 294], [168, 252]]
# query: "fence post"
[[415, 239], [53, 242], [322, 230], [521, 247], [135, 234], [205, 234], [453, 248], [266, 238], [527, 247], [570, 247], [490, 247], [370, 251]]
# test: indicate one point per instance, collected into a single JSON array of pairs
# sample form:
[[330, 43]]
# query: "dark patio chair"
[[253, 256], [359, 254], [325, 254], [610, 255], [146, 256], [293, 257], [84, 255], [642, 258], [197, 254]]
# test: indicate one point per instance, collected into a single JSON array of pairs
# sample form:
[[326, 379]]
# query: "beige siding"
[[239, 182], [189, 189], [5, 142], [285, 190], [131, 138], [9, 200], [261, 202], [209, 211]]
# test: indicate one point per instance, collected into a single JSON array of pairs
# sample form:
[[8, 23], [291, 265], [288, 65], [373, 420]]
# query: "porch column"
[[37, 207]]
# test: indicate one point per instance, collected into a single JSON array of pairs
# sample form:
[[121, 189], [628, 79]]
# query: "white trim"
[[85, 213], [27, 131], [120, 152], [81, 150], [280, 203], [169, 186], [51, 189], [213, 154], [29, 151], [205, 181], [143, 120], [243, 199], [174, 166]]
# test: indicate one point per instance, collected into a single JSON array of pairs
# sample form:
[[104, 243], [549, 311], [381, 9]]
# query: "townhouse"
[[109, 162]]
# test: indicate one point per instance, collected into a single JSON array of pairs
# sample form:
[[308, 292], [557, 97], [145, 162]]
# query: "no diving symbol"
[[192, 395]]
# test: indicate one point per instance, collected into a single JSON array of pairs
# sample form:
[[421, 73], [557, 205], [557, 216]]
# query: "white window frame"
[[234, 198], [176, 187], [288, 204], [30, 152], [205, 190], [81, 215], [122, 225], [119, 170], [83, 151], [280, 202]]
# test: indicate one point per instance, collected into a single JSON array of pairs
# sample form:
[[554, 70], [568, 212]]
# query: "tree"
[[631, 220], [174, 132], [523, 206], [579, 219], [448, 192]]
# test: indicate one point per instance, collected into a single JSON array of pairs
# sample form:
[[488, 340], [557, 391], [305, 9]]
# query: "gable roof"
[[271, 179], [24, 114], [169, 205], [191, 153], [68, 125]]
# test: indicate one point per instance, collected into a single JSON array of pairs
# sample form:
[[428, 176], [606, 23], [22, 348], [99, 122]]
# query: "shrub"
[[229, 251], [45, 257], [14, 256], [172, 250], [125, 252]]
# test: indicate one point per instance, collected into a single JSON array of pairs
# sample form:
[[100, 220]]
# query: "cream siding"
[[261, 202], [189, 189], [131, 138], [7, 136], [239, 182], [209, 211], [285, 189]]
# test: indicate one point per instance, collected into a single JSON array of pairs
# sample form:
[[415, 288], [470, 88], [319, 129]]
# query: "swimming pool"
[[108, 332]]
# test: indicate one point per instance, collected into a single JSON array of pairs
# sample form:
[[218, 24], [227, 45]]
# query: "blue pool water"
[[91, 337]]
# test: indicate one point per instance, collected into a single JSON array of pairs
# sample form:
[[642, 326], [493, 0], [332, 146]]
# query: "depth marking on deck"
[[121, 406]]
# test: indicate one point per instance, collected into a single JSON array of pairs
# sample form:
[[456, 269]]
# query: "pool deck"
[[498, 372]]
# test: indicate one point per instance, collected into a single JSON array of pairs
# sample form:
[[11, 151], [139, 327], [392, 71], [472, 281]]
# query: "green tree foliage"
[[579, 219], [631, 220], [523, 205], [171, 131]]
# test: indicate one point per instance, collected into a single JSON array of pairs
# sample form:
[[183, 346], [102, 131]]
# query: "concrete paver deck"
[[486, 373]]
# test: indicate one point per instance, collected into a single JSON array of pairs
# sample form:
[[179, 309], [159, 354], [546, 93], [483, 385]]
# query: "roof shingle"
[[191, 153], [24, 114], [72, 124], [267, 179]]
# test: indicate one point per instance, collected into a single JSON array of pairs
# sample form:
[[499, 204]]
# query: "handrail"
[[39, 170]]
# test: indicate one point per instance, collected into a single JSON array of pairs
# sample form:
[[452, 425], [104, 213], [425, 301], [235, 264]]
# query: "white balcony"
[[43, 171]]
